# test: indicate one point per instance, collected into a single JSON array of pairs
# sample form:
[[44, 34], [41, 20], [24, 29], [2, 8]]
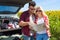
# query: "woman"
[[40, 24]]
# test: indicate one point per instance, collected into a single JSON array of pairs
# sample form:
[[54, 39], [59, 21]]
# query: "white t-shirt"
[[40, 21]]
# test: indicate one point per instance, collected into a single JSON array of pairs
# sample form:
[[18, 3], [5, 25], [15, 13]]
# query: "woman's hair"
[[40, 8]]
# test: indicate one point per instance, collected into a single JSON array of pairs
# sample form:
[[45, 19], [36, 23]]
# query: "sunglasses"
[[38, 10], [32, 9]]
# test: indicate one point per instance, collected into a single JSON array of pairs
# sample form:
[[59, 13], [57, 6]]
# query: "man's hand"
[[30, 27], [22, 23]]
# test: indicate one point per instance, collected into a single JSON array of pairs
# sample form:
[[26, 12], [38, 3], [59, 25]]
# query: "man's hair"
[[32, 3]]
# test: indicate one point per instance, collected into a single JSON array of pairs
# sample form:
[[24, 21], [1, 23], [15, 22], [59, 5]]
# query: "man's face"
[[31, 9]]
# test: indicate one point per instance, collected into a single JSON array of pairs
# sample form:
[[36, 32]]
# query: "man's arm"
[[22, 20], [22, 23]]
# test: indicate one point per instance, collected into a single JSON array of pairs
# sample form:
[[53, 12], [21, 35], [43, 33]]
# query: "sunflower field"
[[54, 20]]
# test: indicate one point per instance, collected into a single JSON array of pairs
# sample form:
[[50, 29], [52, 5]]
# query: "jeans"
[[28, 37], [42, 36]]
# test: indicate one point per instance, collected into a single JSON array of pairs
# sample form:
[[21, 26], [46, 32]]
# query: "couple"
[[31, 20]]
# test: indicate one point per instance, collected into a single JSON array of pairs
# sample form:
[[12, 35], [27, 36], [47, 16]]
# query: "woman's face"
[[39, 12]]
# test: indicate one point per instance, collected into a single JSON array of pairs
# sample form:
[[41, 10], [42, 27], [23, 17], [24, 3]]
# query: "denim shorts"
[[28, 37], [42, 36]]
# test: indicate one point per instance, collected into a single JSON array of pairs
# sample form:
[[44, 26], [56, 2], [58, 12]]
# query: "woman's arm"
[[47, 27], [47, 22]]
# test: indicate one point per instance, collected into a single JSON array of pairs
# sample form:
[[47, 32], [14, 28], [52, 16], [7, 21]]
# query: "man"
[[24, 19]]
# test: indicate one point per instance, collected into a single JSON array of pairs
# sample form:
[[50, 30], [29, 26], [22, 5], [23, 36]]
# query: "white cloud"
[[24, 8]]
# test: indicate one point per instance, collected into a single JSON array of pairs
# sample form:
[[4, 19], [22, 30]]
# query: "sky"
[[45, 4]]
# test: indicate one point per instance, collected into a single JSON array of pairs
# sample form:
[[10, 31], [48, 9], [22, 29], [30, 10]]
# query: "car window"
[[8, 8]]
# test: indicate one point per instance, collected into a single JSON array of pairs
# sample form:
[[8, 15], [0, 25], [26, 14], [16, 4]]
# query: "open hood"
[[11, 6]]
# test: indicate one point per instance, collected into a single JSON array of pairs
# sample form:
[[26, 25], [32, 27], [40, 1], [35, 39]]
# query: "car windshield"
[[8, 8]]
